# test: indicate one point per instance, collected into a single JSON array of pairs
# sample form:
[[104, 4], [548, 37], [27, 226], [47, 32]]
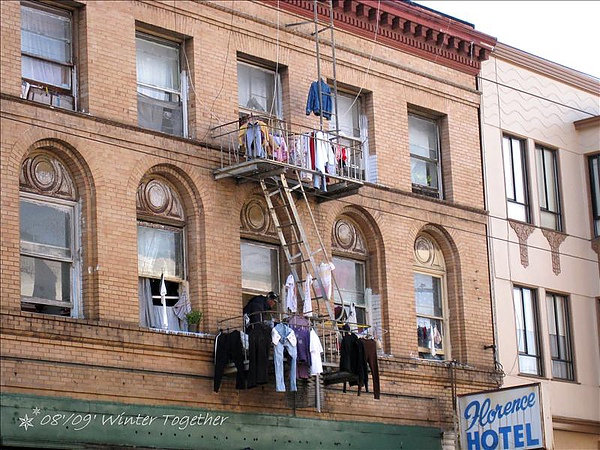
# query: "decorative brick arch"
[[446, 240], [193, 216]]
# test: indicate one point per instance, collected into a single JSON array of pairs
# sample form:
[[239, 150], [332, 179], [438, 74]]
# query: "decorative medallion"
[[427, 253], [255, 217], [44, 174], [158, 198], [347, 237], [523, 230], [554, 239]]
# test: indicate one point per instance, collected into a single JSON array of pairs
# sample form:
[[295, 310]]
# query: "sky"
[[564, 32]]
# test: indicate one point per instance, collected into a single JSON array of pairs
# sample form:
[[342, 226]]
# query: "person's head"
[[272, 299]]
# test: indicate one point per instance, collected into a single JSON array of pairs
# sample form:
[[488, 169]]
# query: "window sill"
[[180, 333]]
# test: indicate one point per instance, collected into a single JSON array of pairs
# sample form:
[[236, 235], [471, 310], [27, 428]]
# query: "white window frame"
[[426, 352], [43, 91], [548, 188], [527, 321], [514, 152], [75, 254], [182, 92], [249, 291], [425, 187], [276, 109], [361, 306]]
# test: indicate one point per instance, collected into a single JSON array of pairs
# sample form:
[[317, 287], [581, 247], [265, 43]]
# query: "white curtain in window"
[[160, 251], [151, 315], [46, 36], [157, 64]]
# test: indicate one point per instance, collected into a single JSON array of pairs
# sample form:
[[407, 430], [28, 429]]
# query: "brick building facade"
[[88, 167]]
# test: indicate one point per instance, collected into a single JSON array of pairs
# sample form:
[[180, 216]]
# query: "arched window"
[[49, 236], [350, 258], [430, 295], [161, 255]]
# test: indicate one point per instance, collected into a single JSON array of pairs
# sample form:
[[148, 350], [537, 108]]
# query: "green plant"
[[194, 317]]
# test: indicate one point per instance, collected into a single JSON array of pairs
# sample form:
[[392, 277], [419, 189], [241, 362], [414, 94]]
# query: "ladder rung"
[[317, 251], [299, 262], [293, 243], [285, 225], [272, 193], [296, 255], [298, 186]]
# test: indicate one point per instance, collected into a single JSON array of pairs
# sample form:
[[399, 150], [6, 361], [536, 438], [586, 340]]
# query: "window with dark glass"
[[424, 139], [594, 165], [548, 187], [515, 178], [526, 316], [47, 67], [160, 85], [559, 328]]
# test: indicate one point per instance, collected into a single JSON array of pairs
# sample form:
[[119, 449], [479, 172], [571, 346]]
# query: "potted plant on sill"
[[193, 319]]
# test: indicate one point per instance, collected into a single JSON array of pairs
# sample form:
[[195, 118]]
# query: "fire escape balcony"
[[328, 164]]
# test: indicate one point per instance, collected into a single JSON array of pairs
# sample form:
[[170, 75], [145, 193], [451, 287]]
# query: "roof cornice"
[[401, 25], [550, 69]]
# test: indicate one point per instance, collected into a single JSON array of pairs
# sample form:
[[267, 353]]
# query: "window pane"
[[160, 251], [42, 278], [519, 172], [258, 89], [423, 137], [528, 364], [348, 112], [46, 224], [428, 295], [157, 64], [46, 34], [424, 173], [350, 278], [46, 72], [260, 267], [508, 168]]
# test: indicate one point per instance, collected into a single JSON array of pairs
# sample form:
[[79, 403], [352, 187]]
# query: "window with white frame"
[[352, 127], [161, 85], [49, 235], [425, 163], [548, 187], [47, 67], [515, 178], [259, 91], [429, 291], [594, 165], [260, 269], [161, 255], [559, 328], [528, 339]]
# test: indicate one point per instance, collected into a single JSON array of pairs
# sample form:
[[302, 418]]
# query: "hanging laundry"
[[313, 103], [307, 307], [352, 321], [325, 275], [316, 350], [253, 139], [282, 337], [291, 302]]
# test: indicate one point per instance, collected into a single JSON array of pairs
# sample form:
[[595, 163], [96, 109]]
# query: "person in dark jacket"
[[258, 304]]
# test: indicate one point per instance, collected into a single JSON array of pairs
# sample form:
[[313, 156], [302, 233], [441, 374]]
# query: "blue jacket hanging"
[[313, 103]]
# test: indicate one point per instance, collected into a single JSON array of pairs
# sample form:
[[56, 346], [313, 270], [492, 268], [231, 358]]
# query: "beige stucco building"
[[541, 143]]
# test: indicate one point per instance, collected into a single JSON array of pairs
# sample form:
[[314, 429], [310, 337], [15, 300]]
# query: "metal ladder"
[[297, 250]]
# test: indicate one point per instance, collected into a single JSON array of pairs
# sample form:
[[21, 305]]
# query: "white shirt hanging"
[[291, 301]]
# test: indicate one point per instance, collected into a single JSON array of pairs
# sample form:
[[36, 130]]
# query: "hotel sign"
[[503, 419]]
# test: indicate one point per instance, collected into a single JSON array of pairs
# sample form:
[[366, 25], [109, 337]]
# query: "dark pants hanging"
[[370, 351], [259, 343], [229, 349]]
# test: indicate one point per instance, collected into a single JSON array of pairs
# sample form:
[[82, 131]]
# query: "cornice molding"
[[550, 69], [417, 31]]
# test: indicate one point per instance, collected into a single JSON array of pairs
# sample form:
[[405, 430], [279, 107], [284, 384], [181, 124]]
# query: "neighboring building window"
[[425, 164], [547, 174], [259, 91], [47, 55], [429, 288], [515, 177], [161, 254], [161, 85], [260, 269], [49, 233], [594, 162], [560, 336], [353, 131], [526, 315]]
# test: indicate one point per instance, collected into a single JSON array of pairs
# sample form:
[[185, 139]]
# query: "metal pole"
[[335, 92], [318, 65]]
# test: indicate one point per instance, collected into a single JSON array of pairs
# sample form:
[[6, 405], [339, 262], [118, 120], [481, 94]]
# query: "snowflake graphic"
[[26, 422], [36, 411]]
